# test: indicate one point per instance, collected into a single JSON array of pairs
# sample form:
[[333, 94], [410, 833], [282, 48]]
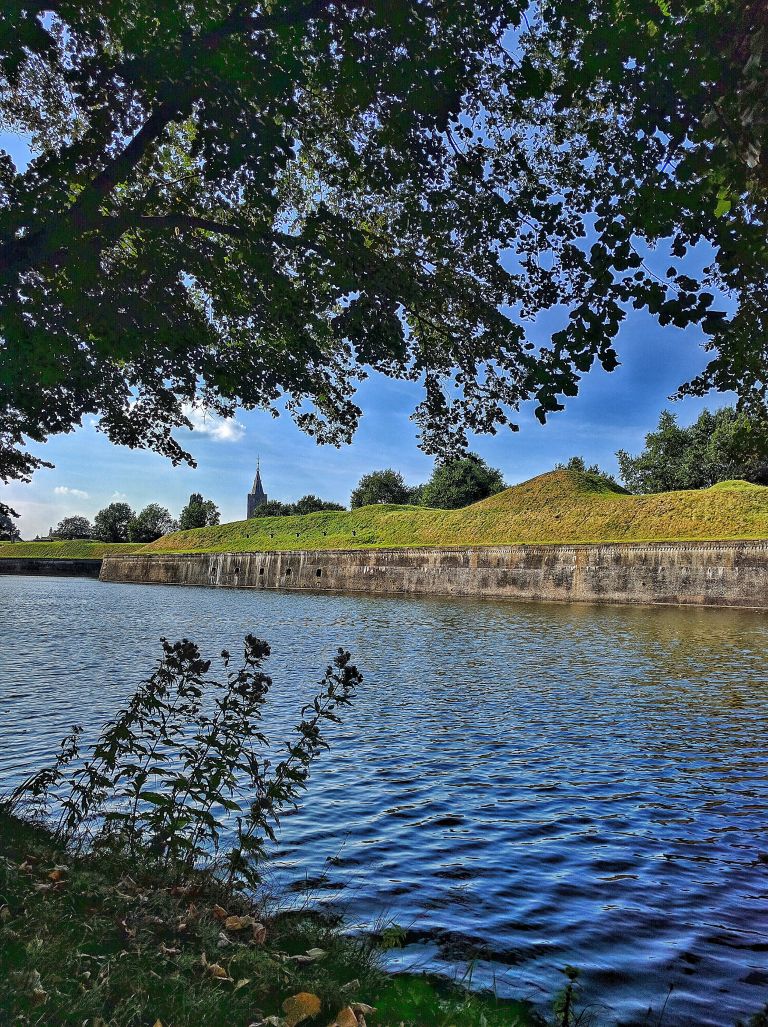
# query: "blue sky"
[[613, 411]]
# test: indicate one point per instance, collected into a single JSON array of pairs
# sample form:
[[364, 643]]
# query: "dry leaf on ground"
[[344, 1018], [238, 923], [300, 1007]]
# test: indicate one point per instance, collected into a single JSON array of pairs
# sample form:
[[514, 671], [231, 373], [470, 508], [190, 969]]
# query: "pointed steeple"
[[257, 496]]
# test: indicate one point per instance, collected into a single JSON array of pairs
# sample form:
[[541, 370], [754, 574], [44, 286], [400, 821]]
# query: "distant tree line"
[[720, 445], [305, 505], [117, 522], [454, 483]]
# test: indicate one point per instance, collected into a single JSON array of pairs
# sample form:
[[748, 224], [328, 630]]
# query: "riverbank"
[[94, 941]]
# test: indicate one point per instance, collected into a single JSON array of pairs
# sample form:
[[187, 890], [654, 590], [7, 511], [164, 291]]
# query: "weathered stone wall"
[[38, 565], [697, 573]]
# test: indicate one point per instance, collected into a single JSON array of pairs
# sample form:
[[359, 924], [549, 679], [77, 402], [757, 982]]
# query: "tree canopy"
[[377, 487], [113, 522], [198, 513], [250, 203], [461, 481], [719, 446], [73, 527], [8, 530], [151, 523]]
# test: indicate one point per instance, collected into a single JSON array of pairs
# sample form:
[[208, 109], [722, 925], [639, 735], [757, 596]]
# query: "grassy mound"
[[558, 507], [74, 549]]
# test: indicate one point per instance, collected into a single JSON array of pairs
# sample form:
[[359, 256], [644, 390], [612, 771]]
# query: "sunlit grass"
[[559, 507]]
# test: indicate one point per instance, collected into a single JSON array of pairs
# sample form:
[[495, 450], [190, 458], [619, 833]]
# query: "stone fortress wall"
[[684, 573]]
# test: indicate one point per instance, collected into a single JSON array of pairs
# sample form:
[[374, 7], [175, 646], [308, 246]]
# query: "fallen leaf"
[[217, 970], [362, 1007], [300, 1007], [158, 1023], [259, 934], [5, 914], [56, 874], [344, 1018], [310, 956], [352, 985], [220, 913], [241, 983], [238, 923]]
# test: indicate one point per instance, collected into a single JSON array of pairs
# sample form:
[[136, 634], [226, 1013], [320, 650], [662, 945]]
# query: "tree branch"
[[45, 245]]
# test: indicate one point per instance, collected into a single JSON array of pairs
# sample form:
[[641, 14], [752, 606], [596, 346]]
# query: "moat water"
[[517, 786]]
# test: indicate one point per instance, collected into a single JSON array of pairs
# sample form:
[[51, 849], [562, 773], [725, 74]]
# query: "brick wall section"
[[695, 573]]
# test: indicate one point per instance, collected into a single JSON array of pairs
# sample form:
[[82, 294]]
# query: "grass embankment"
[[559, 507], [75, 549], [92, 942]]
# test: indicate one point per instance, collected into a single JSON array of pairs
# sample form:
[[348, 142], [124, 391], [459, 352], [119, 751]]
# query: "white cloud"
[[64, 490], [220, 429], [118, 497]]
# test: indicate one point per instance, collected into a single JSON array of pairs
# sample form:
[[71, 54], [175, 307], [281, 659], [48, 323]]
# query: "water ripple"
[[517, 786]]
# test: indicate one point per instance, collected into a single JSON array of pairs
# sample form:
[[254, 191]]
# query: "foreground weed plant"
[[185, 757]]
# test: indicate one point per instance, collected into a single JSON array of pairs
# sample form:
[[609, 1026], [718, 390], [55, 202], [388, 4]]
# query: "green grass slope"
[[74, 549], [558, 507]]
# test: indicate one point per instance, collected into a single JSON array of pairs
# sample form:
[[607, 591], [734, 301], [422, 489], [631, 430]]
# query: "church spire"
[[257, 496]]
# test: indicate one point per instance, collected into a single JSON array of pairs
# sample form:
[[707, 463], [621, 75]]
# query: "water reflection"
[[525, 785]]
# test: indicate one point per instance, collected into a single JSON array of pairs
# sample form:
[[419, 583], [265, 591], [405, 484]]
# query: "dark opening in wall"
[[318, 573], [261, 570], [287, 571]]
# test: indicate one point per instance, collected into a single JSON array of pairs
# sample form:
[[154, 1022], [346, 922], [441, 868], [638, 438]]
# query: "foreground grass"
[[95, 943], [75, 549], [556, 508]]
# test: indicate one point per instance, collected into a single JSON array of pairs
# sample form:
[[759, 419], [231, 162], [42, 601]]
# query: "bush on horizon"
[[459, 482]]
